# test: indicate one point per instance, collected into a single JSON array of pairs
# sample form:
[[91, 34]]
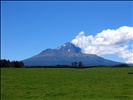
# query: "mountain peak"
[[69, 47]]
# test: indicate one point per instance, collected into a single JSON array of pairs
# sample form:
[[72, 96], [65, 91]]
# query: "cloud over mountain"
[[110, 41]]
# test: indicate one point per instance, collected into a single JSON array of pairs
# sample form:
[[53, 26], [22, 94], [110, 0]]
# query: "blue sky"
[[28, 27]]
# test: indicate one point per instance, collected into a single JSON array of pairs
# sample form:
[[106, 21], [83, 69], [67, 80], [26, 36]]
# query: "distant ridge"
[[65, 55]]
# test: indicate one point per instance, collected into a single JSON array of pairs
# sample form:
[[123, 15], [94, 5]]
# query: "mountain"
[[65, 55]]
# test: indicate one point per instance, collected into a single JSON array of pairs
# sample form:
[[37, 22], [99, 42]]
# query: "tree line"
[[8, 64]]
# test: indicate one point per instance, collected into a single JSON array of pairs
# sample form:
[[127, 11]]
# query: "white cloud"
[[107, 42]]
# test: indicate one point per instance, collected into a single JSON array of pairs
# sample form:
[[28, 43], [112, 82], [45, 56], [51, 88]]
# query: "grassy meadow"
[[66, 84]]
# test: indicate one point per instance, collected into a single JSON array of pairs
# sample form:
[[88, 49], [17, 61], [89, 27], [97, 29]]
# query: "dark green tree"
[[5, 63], [74, 64], [81, 64]]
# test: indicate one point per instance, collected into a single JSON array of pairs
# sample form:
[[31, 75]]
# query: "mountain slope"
[[65, 55]]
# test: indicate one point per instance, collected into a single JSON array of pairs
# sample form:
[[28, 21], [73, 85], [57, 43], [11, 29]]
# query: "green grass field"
[[66, 84]]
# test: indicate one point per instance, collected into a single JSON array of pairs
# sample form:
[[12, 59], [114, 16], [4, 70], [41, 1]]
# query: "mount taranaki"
[[65, 55]]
